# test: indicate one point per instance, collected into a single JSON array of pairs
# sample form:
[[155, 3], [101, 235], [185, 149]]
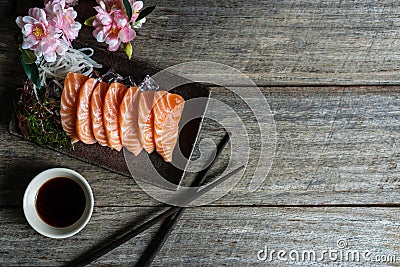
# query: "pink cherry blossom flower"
[[49, 48], [112, 25], [68, 3], [49, 31], [109, 6], [136, 7], [64, 18], [35, 27]]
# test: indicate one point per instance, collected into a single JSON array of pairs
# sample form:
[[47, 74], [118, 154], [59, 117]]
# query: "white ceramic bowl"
[[29, 203]]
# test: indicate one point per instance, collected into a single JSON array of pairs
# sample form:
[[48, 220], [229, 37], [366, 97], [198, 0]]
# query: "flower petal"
[[19, 22], [27, 29], [99, 34], [103, 5], [100, 10], [38, 14], [70, 13], [126, 34], [50, 57], [136, 5], [29, 42], [104, 19], [120, 19], [62, 47], [138, 24], [113, 43], [29, 20]]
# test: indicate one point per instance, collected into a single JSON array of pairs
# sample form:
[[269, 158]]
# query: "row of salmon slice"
[[116, 116]]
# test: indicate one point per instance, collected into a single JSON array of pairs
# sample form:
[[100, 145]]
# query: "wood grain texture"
[[211, 236], [335, 145], [273, 42], [278, 42]]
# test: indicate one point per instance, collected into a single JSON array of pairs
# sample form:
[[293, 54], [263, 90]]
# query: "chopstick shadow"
[[154, 241], [169, 223], [144, 217], [163, 232]]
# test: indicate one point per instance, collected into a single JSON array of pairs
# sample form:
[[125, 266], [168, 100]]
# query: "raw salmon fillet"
[[167, 112], [84, 129], [146, 120], [116, 116], [112, 102], [128, 121], [96, 113], [69, 99]]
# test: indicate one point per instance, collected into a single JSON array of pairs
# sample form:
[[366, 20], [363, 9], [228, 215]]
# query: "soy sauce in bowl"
[[60, 202]]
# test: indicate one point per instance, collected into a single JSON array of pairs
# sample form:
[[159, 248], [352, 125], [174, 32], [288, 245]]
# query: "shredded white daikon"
[[74, 60]]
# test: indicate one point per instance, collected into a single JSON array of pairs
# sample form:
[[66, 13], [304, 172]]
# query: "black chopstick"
[[158, 242], [124, 238], [132, 233]]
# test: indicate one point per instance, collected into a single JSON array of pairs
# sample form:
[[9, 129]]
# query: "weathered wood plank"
[[214, 236], [274, 42], [278, 42], [335, 145]]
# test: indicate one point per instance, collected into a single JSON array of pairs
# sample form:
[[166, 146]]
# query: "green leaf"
[[128, 50], [128, 9], [145, 12], [32, 72], [89, 21], [28, 56]]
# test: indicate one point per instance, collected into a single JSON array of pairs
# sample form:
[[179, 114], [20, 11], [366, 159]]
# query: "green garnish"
[[39, 118], [128, 9], [145, 12]]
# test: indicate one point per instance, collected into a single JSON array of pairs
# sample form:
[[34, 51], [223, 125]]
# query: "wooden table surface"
[[330, 71]]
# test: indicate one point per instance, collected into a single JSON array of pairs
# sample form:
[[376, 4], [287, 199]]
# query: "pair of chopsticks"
[[176, 212]]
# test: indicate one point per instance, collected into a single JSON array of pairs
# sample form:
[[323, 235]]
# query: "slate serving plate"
[[114, 160]]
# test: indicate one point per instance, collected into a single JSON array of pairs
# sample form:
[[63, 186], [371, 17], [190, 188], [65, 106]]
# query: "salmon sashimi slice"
[[112, 102], [68, 106], [128, 121], [146, 120], [96, 112], [167, 112], [84, 129]]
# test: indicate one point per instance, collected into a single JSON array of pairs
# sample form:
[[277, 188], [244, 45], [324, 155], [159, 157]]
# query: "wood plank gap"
[[386, 205]]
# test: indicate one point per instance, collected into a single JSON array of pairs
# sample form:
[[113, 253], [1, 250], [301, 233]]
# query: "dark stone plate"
[[114, 160]]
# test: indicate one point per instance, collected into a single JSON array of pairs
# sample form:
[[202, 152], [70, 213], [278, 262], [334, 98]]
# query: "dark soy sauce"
[[60, 202]]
